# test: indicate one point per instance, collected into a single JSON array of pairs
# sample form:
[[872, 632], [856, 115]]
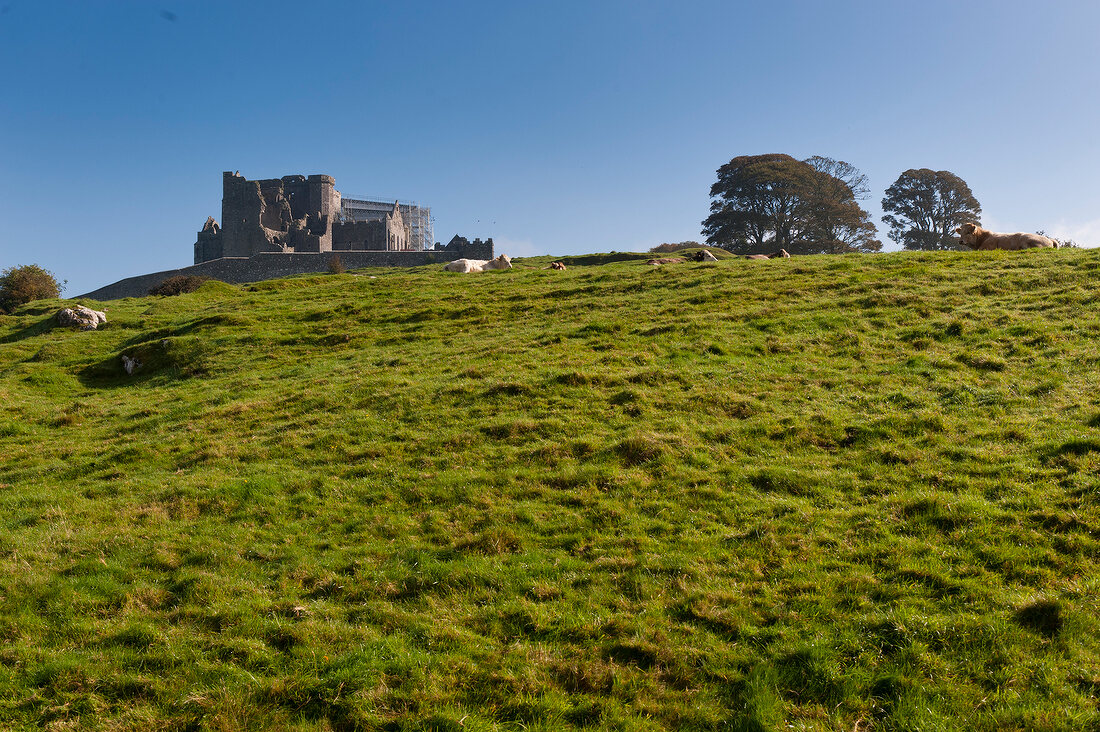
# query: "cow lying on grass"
[[701, 256], [976, 237], [781, 253], [479, 265]]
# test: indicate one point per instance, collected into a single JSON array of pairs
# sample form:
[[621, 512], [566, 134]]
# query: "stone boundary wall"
[[270, 266]]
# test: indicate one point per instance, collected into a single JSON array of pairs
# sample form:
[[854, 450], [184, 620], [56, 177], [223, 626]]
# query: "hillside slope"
[[853, 492]]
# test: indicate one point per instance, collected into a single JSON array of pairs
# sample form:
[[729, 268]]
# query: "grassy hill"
[[828, 493]]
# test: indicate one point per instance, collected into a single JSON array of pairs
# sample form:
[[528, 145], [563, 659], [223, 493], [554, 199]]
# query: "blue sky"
[[557, 128]]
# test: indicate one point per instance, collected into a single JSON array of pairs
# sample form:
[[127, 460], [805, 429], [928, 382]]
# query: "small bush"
[[179, 284], [335, 264], [20, 285], [669, 247]]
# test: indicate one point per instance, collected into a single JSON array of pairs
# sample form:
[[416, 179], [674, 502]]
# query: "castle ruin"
[[295, 225], [296, 214]]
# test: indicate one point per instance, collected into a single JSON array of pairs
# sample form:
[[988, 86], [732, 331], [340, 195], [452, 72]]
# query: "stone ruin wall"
[[238, 270], [390, 234], [269, 266], [275, 215], [459, 247], [292, 214], [360, 236]]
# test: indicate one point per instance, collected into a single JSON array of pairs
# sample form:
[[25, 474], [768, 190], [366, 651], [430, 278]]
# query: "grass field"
[[825, 493]]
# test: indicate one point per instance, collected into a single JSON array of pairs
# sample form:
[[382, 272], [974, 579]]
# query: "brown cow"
[[976, 237], [558, 265]]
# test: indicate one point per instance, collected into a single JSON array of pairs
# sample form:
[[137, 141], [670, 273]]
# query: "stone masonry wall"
[[460, 247], [359, 235], [268, 266]]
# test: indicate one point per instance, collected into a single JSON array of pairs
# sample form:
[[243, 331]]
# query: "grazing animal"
[[782, 253], [666, 260], [976, 237], [479, 265]]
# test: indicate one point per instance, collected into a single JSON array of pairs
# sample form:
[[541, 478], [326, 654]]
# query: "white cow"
[[479, 265]]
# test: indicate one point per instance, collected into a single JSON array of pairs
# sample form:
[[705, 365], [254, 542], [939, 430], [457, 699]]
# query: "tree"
[[775, 201], [850, 174], [924, 207], [836, 222], [19, 285]]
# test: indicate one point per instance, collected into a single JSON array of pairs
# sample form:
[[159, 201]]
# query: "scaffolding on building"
[[375, 208]]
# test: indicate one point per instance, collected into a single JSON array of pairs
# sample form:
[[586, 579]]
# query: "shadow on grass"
[[210, 321], [159, 360], [1043, 617], [37, 328]]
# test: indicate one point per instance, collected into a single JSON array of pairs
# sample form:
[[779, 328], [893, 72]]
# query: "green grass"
[[826, 493]]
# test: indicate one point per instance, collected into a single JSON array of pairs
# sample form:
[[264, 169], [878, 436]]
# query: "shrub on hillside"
[[1062, 243], [20, 285], [179, 284], [669, 247]]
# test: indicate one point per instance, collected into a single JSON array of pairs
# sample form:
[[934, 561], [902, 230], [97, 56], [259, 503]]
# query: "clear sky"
[[553, 127]]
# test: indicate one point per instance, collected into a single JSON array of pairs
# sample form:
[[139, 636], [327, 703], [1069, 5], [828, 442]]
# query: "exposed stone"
[[81, 317], [130, 365]]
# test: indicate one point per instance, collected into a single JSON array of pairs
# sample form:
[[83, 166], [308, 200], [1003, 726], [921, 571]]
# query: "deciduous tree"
[[836, 223], [19, 285], [774, 201], [924, 207]]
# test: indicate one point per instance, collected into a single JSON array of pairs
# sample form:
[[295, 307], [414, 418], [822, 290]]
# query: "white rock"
[[81, 317]]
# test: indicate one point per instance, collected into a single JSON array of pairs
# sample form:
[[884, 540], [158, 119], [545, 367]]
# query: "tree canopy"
[[924, 207], [774, 201], [19, 285]]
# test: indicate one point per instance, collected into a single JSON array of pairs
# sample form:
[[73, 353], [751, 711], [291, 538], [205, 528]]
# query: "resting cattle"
[[976, 237], [479, 265], [666, 260], [558, 265], [781, 253]]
